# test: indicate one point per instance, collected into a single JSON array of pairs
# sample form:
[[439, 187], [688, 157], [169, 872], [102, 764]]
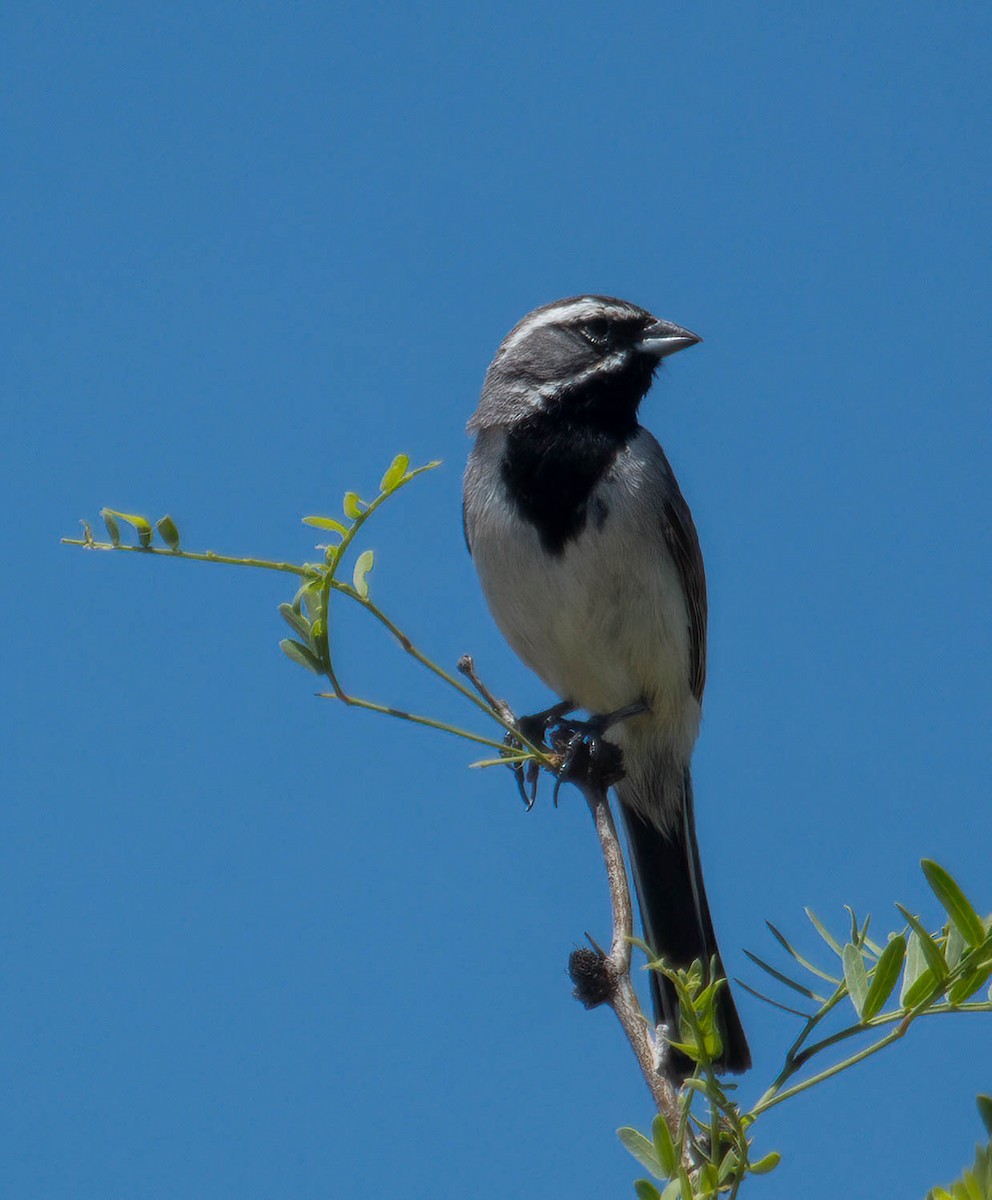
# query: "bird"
[[590, 564]]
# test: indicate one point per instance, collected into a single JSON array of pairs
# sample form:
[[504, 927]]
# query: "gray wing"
[[683, 545], [680, 536]]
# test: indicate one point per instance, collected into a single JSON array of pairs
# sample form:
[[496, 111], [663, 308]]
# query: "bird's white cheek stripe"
[[547, 391]]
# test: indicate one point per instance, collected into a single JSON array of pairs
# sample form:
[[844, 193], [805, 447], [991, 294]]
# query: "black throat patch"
[[555, 456]]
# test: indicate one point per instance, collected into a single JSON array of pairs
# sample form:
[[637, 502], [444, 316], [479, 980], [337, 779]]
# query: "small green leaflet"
[[766, 1164], [664, 1147], [112, 527], [824, 933], [139, 524], [352, 506], [915, 966], [643, 1150], [362, 567], [395, 473], [956, 904], [295, 620], [856, 977], [302, 655], [931, 951], [169, 533], [326, 523], [884, 977]]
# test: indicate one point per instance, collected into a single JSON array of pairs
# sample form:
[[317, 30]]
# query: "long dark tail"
[[677, 922]]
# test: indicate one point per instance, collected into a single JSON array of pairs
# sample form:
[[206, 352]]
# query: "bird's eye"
[[597, 331]]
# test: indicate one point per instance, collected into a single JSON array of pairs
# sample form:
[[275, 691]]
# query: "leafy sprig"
[[309, 613], [940, 972]]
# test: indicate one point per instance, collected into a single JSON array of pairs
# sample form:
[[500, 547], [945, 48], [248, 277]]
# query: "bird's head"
[[582, 354]]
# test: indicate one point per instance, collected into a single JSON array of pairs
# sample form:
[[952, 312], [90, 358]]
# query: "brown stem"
[[466, 665], [621, 996]]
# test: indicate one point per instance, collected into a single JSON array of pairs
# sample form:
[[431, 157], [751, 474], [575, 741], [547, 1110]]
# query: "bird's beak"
[[664, 338]]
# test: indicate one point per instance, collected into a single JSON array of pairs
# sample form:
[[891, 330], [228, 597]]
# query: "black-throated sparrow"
[[590, 563]]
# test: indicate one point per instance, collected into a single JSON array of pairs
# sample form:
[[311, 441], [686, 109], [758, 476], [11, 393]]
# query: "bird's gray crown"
[[559, 348]]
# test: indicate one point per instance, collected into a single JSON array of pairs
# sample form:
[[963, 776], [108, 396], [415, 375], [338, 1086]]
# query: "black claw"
[[532, 773], [535, 730], [559, 780], [586, 759], [524, 774], [518, 777]]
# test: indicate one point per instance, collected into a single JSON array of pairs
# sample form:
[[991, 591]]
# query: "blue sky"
[[254, 945]]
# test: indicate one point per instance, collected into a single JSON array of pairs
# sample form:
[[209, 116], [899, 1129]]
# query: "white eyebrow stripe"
[[584, 308]]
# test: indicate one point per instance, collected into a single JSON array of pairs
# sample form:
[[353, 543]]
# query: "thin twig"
[[466, 664], [430, 722], [623, 999], [303, 572]]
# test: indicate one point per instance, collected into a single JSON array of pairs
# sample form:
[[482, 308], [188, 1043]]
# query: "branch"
[[607, 981]]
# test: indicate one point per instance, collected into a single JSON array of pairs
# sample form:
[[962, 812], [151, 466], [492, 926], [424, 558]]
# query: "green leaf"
[[295, 620], [803, 962], [884, 977], [954, 946], [664, 1147], [730, 1164], [643, 1150], [923, 986], [707, 1181], [644, 1189], [394, 473], [824, 933], [326, 523], [931, 951], [689, 1049], [915, 966], [855, 928], [985, 1112], [955, 903], [362, 567], [968, 984], [138, 524], [796, 1012], [310, 598], [170, 534], [766, 1164], [856, 977], [302, 655], [168, 531], [112, 527], [792, 983], [352, 506]]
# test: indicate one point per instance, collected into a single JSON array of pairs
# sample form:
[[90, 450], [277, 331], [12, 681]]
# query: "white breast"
[[604, 623]]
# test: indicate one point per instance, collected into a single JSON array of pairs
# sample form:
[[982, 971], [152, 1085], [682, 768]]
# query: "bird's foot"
[[535, 730], [586, 758]]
